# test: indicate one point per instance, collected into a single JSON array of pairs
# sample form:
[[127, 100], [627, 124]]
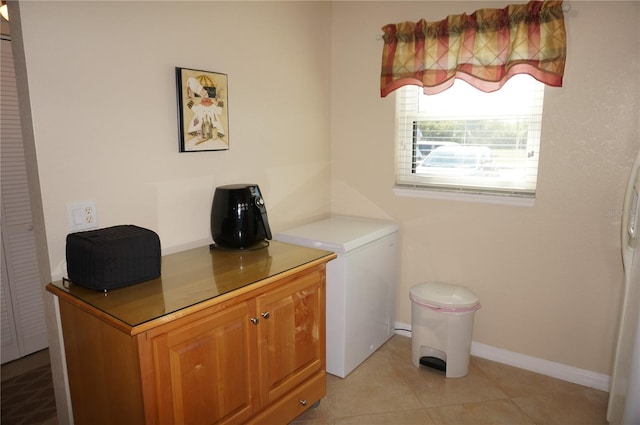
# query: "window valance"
[[484, 48]]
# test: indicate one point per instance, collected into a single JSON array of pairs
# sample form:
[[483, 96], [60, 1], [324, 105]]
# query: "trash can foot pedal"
[[433, 362]]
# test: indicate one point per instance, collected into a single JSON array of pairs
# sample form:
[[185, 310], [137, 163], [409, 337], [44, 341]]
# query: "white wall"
[[549, 277]]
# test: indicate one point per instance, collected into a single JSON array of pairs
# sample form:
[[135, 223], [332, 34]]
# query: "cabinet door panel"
[[290, 339], [204, 372]]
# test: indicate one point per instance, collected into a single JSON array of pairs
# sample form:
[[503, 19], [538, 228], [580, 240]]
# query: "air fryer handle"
[[263, 216]]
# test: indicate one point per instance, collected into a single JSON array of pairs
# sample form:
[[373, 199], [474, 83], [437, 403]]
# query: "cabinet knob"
[[266, 314], [303, 402], [254, 320]]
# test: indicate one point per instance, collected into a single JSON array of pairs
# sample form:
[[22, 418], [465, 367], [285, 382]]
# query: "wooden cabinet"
[[203, 368], [230, 364], [255, 354], [291, 340]]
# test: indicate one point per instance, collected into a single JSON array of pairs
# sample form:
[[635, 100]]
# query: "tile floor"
[[388, 389]]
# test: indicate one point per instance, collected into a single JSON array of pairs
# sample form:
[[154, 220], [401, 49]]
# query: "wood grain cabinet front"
[[256, 357], [230, 365], [202, 370], [291, 343]]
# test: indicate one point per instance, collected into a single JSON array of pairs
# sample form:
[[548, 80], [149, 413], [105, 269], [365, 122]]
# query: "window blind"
[[466, 140]]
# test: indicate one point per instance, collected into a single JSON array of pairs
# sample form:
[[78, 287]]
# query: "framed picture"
[[203, 110]]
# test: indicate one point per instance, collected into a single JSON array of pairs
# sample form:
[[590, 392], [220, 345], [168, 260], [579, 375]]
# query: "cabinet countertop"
[[196, 277]]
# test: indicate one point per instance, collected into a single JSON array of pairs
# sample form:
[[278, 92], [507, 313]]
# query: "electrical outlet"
[[82, 215]]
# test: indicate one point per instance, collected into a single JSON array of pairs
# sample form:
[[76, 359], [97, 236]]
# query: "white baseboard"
[[533, 364]]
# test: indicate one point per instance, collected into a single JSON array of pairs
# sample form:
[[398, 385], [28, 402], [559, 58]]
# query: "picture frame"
[[203, 110]]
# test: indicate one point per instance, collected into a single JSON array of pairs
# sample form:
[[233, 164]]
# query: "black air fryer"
[[239, 218]]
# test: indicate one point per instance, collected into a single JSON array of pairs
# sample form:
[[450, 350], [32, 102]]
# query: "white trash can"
[[442, 325]]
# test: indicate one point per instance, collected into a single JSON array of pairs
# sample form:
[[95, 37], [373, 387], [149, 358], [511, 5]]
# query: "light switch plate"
[[82, 215]]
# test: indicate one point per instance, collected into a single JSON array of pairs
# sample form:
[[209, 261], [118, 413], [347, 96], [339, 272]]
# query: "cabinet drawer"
[[295, 402]]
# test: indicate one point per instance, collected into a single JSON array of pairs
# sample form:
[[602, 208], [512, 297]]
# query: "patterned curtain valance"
[[484, 48]]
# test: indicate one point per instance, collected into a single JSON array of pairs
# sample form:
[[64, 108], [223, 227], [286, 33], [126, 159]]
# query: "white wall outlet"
[[82, 215]]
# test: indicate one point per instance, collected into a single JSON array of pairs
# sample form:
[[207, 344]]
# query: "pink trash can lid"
[[445, 297]]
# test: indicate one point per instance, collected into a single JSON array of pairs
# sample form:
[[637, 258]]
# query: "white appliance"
[[361, 284], [624, 393]]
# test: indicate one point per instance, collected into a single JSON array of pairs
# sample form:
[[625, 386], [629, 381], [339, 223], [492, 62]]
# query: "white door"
[[23, 321]]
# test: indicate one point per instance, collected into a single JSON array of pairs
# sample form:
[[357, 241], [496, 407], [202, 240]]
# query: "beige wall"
[[103, 97], [549, 277]]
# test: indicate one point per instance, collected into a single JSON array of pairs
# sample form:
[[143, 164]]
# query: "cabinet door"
[[204, 368], [291, 334]]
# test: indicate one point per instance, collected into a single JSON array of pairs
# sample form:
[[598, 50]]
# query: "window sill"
[[483, 198]]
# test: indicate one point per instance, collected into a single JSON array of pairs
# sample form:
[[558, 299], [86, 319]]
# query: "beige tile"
[[373, 387], [583, 407], [520, 383], [398, 346], [371, 392], [411, 417], [495, 412], [434, 389], [388, 389], [302, 421]]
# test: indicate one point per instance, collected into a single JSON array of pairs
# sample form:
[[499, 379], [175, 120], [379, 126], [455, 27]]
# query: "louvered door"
[[23, 320]]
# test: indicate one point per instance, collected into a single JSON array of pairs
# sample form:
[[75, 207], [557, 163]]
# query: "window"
[[468, 141]]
